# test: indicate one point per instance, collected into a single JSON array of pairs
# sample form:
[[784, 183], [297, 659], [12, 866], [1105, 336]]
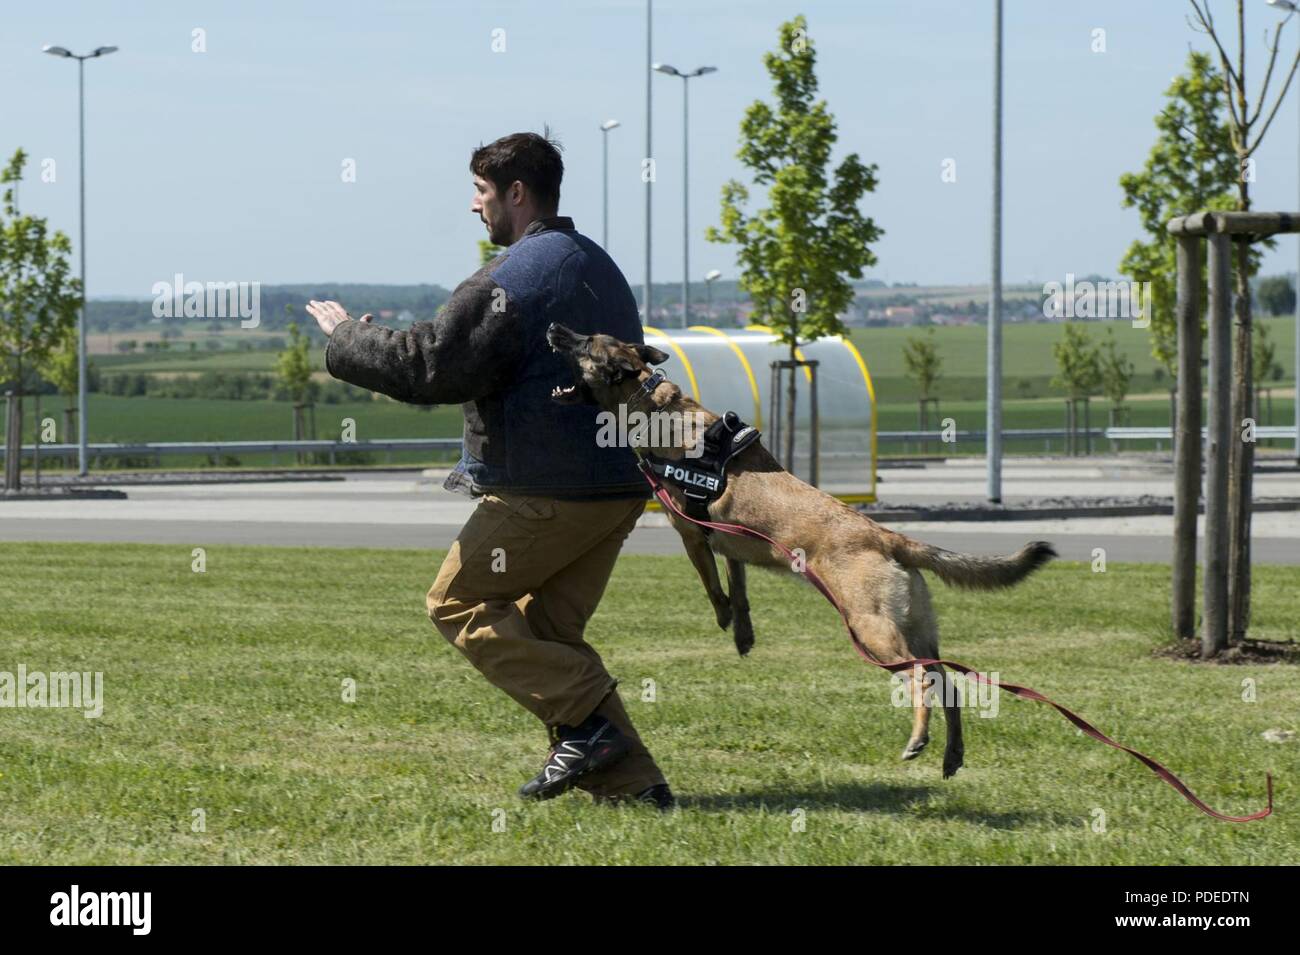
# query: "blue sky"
[[225, 165]]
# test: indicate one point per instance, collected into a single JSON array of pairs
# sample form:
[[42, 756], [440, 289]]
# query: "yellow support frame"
[[870, 496], [686, 362]]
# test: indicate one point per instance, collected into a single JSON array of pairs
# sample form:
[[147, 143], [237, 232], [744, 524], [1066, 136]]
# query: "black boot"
[[594, 744]]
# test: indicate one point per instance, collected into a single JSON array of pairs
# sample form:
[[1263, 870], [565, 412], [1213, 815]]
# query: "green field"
[[118, 419], [1029, 399], [222, 693], [1026, 354], [151, 419]]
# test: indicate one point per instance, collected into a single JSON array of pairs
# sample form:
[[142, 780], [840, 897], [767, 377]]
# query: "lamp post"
[[605, 127], [649, 155], [1291, 8], [993, 426], [686, 234], [709, 279], [82, 456]]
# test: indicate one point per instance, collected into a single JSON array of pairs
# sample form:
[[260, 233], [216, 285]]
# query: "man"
[[529, 567]]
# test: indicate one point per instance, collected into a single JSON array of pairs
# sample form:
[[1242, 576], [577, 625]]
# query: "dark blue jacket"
[[486, 349]]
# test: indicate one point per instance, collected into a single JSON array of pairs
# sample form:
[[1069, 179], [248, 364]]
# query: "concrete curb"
[[58, 493]]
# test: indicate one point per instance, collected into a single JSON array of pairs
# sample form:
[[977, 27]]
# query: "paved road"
[[409, 510]]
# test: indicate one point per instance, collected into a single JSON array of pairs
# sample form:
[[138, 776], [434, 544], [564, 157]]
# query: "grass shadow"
[[858, 797]]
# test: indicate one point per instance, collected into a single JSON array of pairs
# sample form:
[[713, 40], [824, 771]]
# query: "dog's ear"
[[623, 363], [651, 355]]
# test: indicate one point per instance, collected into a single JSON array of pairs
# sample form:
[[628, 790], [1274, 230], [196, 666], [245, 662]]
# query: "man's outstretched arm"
[[469, 350]]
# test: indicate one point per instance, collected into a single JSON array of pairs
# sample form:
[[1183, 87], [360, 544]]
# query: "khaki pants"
[[514, 595]]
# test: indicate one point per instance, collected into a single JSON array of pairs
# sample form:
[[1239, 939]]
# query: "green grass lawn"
[[223, 693]]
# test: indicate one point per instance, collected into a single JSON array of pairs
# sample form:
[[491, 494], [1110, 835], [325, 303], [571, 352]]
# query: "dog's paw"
[[722, 612], [743, 633], [913, 749], [952, 761]]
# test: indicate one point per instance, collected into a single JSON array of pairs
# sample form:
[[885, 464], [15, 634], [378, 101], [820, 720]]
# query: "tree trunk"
[[1241, 457], [789, 414], [1087, 425], [36, 454], [1219, 441], [13, 441], [1185, 429], [297, 430], [1069, 427], [69, 425]]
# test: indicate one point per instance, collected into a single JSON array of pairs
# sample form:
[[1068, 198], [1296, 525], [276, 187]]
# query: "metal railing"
[[160, 449], [1156, 433]]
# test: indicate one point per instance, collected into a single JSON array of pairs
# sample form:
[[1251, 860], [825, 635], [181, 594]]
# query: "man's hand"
[[329, 314]]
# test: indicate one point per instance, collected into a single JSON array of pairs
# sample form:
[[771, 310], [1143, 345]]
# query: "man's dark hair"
[[532, 159]]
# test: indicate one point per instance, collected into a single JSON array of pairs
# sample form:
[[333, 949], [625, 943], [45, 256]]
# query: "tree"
[[1191, 168], [1079, 376], [796, 256], [60, 370], [293, 371], [1276, 295], [1267, 368], [1116, 377], [923, 364], [38, 303], [487, 252], [1245, 141]]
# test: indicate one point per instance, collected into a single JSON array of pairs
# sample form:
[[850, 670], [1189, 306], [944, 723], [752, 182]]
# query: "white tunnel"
[[730, 369]]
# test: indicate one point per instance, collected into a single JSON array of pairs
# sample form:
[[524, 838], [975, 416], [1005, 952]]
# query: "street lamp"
[[993, 420], [648, 157], [686, 240], [1291, 8], [709, 279], [82, 468], [605, 127]]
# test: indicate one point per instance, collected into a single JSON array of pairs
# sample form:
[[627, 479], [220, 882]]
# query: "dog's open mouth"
[[576, 393]]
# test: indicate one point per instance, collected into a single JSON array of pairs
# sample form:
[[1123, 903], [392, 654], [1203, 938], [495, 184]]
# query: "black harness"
[[701, 479]]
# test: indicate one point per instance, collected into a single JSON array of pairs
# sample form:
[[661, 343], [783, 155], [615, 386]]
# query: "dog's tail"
[[967, 570]]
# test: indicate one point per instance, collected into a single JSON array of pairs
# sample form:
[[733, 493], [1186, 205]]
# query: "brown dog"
[[873, 572]]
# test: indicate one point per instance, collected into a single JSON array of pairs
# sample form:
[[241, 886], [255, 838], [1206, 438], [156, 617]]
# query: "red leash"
[[1023, 692]]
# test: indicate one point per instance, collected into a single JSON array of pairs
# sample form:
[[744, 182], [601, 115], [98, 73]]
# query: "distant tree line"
[[236, 385], [422, 301]]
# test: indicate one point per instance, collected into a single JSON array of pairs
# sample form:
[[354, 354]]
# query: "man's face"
[[491, 208]]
